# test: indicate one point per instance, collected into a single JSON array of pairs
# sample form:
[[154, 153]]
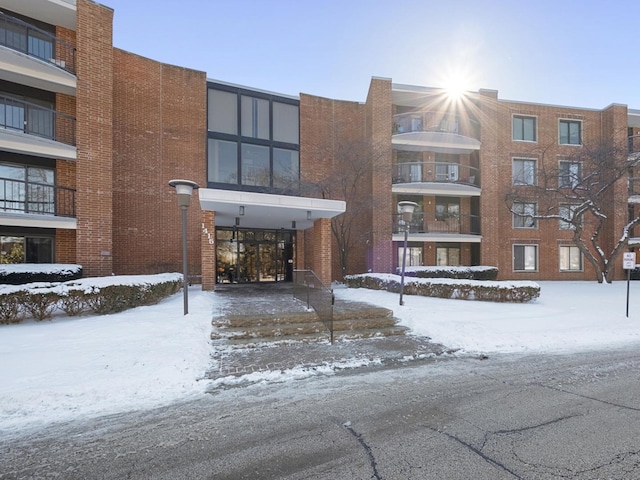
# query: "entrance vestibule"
[[254, 255]]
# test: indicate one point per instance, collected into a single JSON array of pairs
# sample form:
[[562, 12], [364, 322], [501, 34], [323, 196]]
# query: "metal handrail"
[[439, 172], [429, 121], [33, 119], [19, 196], [35, 42], [447, 223], [310, 289]]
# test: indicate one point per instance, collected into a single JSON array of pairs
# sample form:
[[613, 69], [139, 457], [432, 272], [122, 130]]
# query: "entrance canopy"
[[263, 210]]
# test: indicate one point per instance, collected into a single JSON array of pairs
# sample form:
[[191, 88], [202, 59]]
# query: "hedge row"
[[461, 273], [18, 304], [514, 292], [22, 274]]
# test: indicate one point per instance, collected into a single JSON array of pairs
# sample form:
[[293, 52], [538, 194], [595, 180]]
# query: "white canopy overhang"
[[262, 210]]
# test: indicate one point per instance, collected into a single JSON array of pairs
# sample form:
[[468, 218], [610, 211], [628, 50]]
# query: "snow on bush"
[[466, 273], [504, 291]]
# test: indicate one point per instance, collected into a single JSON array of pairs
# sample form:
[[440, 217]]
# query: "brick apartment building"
[[90, 136]]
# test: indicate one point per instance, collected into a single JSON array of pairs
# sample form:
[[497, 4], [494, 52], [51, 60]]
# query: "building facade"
[[90, 136]]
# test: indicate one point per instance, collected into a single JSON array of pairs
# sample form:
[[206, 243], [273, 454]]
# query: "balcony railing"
[[435, 122], [445, 223], [19, 196], [421, 172], [27, 117], [25, 38]]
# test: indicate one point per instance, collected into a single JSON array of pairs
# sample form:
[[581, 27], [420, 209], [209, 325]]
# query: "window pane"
[[517, 129], [255, 165], [574, 133], [285, 123], [530, 257], [529, 129], [286, 168], [39, 250], [524, 172], [518, 257], [523, 215], [223, 112], [255, 117], [525, 257], [11, 249], [223, 161], [570, 258]]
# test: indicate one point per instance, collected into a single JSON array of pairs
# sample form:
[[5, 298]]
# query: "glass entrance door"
[[244, 256]]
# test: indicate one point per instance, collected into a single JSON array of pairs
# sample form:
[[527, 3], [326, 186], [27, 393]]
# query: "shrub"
[[461, 273], [32, 273], [40, 304], [11, 310], [73, 303], [513, 292]]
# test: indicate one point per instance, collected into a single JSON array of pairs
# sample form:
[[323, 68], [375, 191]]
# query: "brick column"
[[208, 250], [321, 255]]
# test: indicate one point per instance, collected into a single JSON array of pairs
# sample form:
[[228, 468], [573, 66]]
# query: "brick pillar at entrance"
[[321, 254], [208, 250]]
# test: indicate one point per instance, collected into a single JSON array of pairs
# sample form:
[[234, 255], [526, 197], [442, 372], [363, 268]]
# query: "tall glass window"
[[255, 117], [286, 168], [222, 161], [255, 165], [285, 123], [25, 249], [223, 112], [27, 189]]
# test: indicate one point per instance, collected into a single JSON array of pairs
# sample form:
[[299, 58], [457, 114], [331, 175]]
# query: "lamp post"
[[184, 189], [405, 209]]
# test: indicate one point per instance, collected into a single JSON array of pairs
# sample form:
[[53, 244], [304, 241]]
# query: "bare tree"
[[349, 179], [578, 192]]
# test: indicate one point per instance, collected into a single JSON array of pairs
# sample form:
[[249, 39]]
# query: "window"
[[570, 258], [566, 211], [525, 258], [570, 174], [524, 128], [285, 123], [255, 117], [414, 256], [286, 168], [523, 214], [447, 255], [570, 132], [255, 165], [27, 189], [223, 112], [222, 165], [524, 171], [25, 249]]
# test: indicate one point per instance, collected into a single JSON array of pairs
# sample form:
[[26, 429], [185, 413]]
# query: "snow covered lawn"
[[95, 365]]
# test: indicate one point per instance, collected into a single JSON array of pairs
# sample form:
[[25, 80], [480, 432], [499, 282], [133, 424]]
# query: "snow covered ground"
[[67, 368]]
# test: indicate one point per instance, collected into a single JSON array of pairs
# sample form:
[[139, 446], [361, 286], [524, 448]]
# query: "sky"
[[71, 368], [575, 53]]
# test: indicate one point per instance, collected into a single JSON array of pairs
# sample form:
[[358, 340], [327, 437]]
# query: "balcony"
[[34, 57], [437, 178], [441, 228], [31, 129], [434, 132], [33, 204]]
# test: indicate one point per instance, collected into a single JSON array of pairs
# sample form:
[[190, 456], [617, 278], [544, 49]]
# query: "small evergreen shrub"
[[73, 303], [36, 272], [461, 273], [40, 304]]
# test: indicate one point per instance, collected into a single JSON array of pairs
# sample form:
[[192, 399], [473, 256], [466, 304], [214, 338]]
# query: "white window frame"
[[524, 215], [574, 178], [561, 248], [535, 128], [571, 120], [523, 181], [525, 245]]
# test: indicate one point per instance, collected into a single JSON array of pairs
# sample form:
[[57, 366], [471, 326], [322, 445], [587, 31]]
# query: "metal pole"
[[185, 283], [404, 261], [628, 281]]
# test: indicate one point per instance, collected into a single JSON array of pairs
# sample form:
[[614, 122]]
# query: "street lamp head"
[[184, 189], [406, 210]]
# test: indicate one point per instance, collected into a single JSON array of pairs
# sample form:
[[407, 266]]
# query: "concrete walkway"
[[263, 357]]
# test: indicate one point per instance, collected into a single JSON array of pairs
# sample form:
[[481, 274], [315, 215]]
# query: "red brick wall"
[[94, 118], [497, 152], [208, 250], [159, 135], [65, 249]]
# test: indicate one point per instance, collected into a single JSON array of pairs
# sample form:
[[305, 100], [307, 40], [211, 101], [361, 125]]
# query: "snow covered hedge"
[[462, 273], [516, 292], [100, 295], [23, 273]]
